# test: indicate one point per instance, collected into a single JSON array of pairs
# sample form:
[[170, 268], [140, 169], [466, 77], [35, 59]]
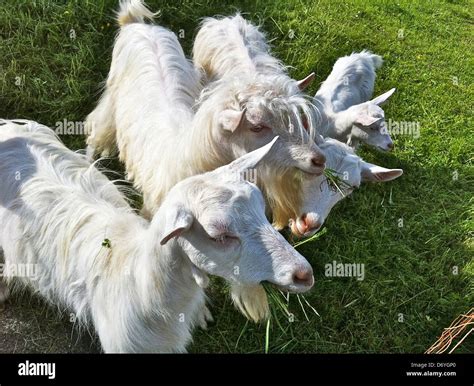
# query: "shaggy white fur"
[[138, 282], [343, 101], [232, 46], [148, 110]]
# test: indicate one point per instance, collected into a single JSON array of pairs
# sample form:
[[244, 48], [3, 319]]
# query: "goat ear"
[[250, 160], [374, 173], [304, 83], [178, 220], [381, 99], [230, 120], [365, 118]]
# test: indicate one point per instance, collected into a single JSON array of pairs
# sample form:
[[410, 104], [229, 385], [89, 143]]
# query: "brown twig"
[[452, 332]]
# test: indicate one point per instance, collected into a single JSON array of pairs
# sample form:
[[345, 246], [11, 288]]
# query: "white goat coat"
[[147, 109], [232, 46], [351, 81], [57, 212]]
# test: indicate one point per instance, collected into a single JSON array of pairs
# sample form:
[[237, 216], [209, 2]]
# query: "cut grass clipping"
[[279, 303], [333, 180]]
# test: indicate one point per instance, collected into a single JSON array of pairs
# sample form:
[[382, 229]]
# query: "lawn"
[[413, 235]]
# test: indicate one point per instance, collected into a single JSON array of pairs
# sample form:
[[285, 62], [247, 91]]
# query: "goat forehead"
[[249, 205], [257, 113], [283, 119], [245, 194], [375, 110], [337, 153], [245, 207], [267, 90], [229, 193], [266, 107]]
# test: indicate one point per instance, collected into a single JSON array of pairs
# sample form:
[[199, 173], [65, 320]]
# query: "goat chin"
[[252, 301]]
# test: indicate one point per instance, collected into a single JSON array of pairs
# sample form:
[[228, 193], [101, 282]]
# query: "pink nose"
[[315, 226], [308, 224], [304, 277]]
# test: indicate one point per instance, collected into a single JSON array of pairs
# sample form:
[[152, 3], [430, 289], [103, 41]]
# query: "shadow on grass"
[[29, 325]]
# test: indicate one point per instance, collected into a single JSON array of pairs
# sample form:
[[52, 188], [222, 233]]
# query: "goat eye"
[[220, 239], [305, 123], [224, 239], [258, 128]]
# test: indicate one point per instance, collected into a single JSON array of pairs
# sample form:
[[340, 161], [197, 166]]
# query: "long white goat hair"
[[68, 208], [232, 46], [159, 81], [148, 109], [158, 73]]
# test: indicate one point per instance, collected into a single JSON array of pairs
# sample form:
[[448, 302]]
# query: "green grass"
[[409, 268]]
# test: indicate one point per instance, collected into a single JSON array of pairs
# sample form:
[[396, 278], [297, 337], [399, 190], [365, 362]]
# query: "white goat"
[[148, 111], [232, 47], [138, 282], [343, 100], [322, 194]]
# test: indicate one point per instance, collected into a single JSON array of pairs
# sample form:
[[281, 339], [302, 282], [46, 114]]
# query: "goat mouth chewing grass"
[[314, 173], [334, 181], [293, 225], [280, 312], [290, 288]]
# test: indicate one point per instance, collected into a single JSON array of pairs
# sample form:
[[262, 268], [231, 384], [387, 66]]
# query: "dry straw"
[[457, 329]]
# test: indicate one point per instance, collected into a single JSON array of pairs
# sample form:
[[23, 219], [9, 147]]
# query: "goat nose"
[[315, 226], [390, 146], [303, 225], [304, 277], [318, 160], [310, 223]]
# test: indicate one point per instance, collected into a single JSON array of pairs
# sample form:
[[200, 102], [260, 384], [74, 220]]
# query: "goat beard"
[[251, 301], [286, 198]]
